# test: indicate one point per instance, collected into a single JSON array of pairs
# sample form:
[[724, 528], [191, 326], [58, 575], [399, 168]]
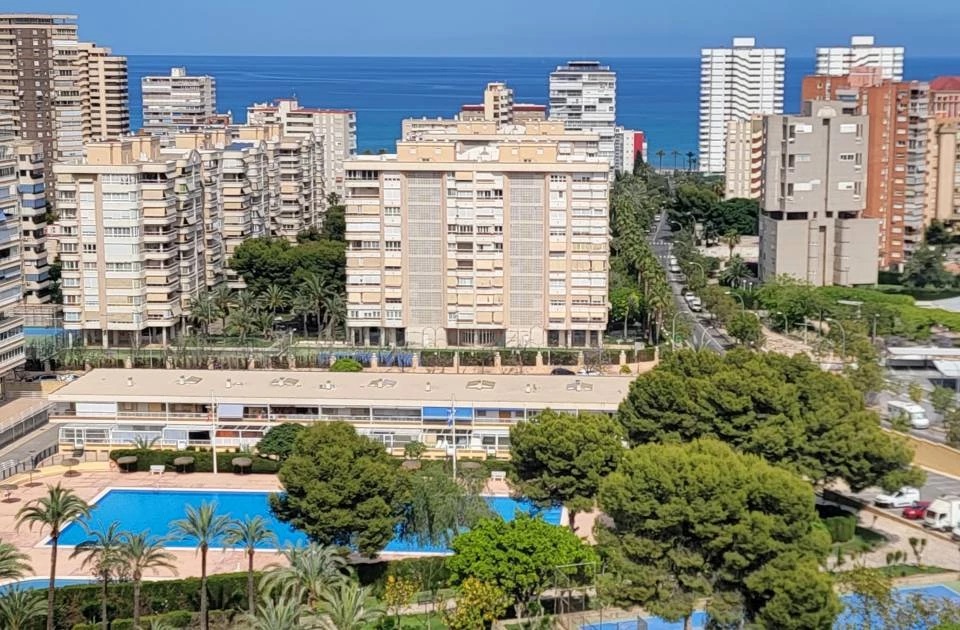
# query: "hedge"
[[841, 528], [202, 460], [176, 619]]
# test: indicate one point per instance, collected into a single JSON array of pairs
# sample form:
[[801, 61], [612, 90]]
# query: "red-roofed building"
[[945, 97], [498, 106]]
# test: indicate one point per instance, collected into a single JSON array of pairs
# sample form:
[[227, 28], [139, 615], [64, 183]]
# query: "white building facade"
[[178, 102], [583, 95], [862, 51], [735, 83]]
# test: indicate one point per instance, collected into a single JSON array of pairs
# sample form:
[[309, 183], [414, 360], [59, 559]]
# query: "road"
[[704, 335], [937, 485]]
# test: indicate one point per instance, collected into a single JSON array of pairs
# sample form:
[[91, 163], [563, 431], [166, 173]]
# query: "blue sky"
[[626, 28]]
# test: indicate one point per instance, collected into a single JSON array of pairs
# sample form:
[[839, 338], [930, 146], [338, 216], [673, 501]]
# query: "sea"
[[657, 95]]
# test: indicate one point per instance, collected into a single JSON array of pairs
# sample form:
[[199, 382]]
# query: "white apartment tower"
[[840, 60], [735, 83], [178, 102], [583, 95]]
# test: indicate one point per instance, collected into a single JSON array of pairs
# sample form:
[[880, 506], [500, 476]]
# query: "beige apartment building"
[[335, 130], [131, 241], [498, 106], [12, 343], [942, 195], [744, 159], [31, 190], [813, 197], [104, 92], [474, 234]]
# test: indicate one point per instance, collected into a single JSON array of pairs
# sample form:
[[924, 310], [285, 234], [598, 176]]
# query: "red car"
[[915, 512]]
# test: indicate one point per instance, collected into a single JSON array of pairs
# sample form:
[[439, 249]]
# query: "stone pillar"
[[415, 361], [497, 360], [127, 362], [456, 361], [209, 363], [251, 363], [623, 358], [331, 361], [374, 361], [539, 359], [291, 361], [163, 336], [580, 359]]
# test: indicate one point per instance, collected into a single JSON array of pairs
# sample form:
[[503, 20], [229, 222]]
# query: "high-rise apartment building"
[[813, 196], [336, 130], [862, 52], [479, 235], [177, 102], [31, 190], [629, 145], [735, 84], [104, 93], [896, 152], [11, 326], [498, 106], [131, 241], [583, 95], [945, 97], [744, 158], [942, 198]]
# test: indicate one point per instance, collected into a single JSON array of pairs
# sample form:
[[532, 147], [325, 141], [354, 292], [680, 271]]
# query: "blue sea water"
[[154, 510], [657, 95]]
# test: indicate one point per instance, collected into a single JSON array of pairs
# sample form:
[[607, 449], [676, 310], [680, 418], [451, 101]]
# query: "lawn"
[[906, 570], [412, 622], [864, 540]]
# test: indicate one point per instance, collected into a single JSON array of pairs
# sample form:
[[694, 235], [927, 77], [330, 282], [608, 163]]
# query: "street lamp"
[[843, 339], [673, 331], [703, 273], [873, 336], [739, 297], [786, 322]]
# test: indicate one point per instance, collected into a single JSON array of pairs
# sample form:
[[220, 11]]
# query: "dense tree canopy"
[[279, 440], [925, 269], [696, 202], [699, 520], [560, 458], [263, 262], [341, 488], [785, 409]]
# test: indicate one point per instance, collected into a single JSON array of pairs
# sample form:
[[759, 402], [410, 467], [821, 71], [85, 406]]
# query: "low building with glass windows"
[[112, 408]]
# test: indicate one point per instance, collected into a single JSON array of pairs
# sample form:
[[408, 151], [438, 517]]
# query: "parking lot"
[[937, 485]]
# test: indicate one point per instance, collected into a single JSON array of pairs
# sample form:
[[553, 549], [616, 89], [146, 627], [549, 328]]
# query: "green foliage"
[[841, 528], [943, 399], [478, 604], [414, 450], [698, 520], [746, 328], [561, 458], [202, 460], [278, 442], [267, 261], [346, 364], [334, 219], [915, 392], [937, 234], [520, 556], [439, 508], [785, 409], [341, 488], [924, 268]]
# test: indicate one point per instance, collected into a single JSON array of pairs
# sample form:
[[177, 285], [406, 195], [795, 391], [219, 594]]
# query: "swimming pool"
[[31, 584], [154, 510], [847, 619]]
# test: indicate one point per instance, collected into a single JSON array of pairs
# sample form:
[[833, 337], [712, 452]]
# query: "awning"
[[97, 409], [950, 369], [460, 413], [229, 410]]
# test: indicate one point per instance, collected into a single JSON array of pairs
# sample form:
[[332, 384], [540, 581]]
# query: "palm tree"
[[344, 607], [675, 155], [203, 311], [633, 303], [206, 526], [283, 613], [731, 239], [222, 297], [315, 293], [735, 272], [276, 298], [53, 511], [101, 554], [13, 563], [140, 553], [18, 609], [660, 155], [243, 320], [262, 323], [335, 310], [302, 307], [690, 155], [307, 572], [247, 534]]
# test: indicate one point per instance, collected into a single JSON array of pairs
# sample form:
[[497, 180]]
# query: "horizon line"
[[544, 57]]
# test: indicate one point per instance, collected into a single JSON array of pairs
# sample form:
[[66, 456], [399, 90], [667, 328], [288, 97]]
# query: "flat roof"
[[950, 369], [296, 387], [922, 352]]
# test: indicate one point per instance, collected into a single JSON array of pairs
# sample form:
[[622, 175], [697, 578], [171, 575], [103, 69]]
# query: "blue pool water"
[[847, 619], [35, 583], [154, 510]]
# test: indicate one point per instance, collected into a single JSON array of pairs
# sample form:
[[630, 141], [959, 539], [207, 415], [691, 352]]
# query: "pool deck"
[[96, 478]]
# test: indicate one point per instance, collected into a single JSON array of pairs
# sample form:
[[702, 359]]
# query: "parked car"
[[901, 498], [41, 377], [915, 511], [561, 371], [588, 372], [914, 413], [943, 513]]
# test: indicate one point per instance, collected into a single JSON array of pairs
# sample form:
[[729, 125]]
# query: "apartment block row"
[[475, 233]]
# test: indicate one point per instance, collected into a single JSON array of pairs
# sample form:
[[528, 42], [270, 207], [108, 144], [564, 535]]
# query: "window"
[[392, 246], [848, 157], [89, 248]]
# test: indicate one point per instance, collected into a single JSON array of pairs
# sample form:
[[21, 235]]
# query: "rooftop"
[[334, 388], [945, 84]]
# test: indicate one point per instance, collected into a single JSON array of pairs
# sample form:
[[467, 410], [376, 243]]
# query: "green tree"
[[943, 399], [739, 216], [334, 219], [924, 268], [222, 297], [248, 533], [205, 526], [937, 234], [281, 613], [698, 520], [439, 508], [520, 556], [277, 443], [52, 512], [915, 392], [204, 311], [341, 488], [306, 573], [735, 272], [745, 327], [414, 450], [346, 607], [478, 605], [346, 364], [397, 593], [141, 553], [730, 238], [20, 608], [276, 298], [13, 564], [785, 409], [101, 553], [559, 458]]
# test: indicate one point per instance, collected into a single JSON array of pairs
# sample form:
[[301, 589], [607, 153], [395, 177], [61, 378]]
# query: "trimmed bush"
[[841, 528], [202, 460], [346, 364], [177, 619]]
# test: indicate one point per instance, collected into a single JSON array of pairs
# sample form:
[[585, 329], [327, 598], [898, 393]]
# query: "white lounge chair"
[[157, 469]]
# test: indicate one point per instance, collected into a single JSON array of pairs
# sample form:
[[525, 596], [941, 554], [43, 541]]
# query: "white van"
[[914, 413]]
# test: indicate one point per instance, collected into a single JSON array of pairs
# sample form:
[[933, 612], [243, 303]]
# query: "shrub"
[[841, 528], [625, 369], [346, 364], [202, 460]]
